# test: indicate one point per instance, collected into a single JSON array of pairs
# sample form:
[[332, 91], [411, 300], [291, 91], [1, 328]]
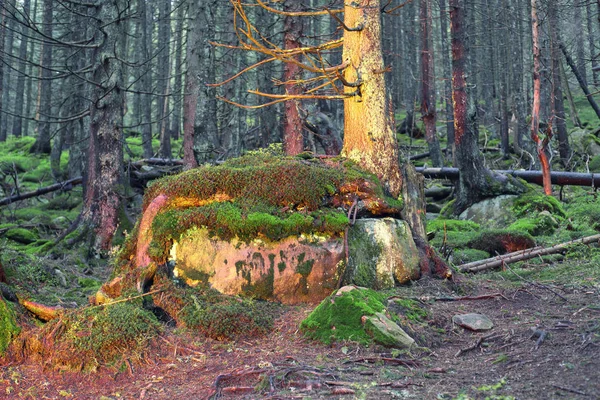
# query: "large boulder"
[[382, 252], [495, 212], [584, 142]]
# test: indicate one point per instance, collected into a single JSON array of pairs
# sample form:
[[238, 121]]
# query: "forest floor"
[[504, 363]]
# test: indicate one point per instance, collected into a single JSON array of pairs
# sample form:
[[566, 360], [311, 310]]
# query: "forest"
[[299, 199]]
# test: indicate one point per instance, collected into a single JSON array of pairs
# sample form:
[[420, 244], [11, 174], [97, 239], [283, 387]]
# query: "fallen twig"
[[477, 344], [566, 389], [389, 360], [66, 185], [540, 285]]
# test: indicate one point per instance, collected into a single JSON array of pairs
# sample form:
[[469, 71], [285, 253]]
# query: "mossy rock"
[[594, 164], [584, 211], [340, 316], [8, 325], [542, 225], [502, 241], [21, 235], [533, 203]]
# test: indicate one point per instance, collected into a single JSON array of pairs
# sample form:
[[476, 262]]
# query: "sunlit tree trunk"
[[369, 137]]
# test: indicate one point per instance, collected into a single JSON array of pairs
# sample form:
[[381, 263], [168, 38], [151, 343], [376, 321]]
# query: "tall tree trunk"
[[447, 80], [293, 142], [144, 52], [579, 37], [42, 143], [369, 137], [192, 85], [20, 92], [9, 27], [177, 86], [593, 43], [428, 98], [30, 71], [535, 113], [2, 34], [103, 202], [558, 101], [476, 182], [164, 75], [579, 78]]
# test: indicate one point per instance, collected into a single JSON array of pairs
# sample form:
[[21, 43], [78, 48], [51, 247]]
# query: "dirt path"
[[283, 365]]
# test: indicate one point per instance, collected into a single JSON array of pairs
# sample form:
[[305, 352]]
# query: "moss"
[[223, 317], [365, 252], [21, 235], [464, 256], [8, 325], [263, 286], [94, 336], [534, 202], [544, 224], [584, 211], [448, 210], [594, 164], [452, 225], [410, 309], [340, 317]]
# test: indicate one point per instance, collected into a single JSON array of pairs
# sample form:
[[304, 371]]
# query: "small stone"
[[387, 333], [473, 322]]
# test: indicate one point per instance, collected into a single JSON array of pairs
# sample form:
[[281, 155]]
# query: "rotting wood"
[[508, 258], [64, 186], [557, 178]]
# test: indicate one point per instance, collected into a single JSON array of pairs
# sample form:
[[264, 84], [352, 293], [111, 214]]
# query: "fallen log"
[[557, 178], [64, 186], [527, 254]]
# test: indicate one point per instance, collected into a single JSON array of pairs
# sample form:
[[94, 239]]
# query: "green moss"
[[263, 286], [340, 317], [464, 256], [448, 210], [410, 309], [365, 252], [21, 235], [594, 164], [541, 225], [8, 325], [452, 225], [533, 203], [224, 317], [584, 211]]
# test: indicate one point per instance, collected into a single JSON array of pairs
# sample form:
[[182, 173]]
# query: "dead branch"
[[477, 344], [64, 186], [509, 258]]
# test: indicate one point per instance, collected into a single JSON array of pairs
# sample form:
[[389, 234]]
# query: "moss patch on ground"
[[339, 317], [8, 325]]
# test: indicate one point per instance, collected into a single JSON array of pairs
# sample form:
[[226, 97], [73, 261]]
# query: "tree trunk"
[[559, 108], [192, 86], [144, 52], [293, 142], [164, 76], [579, 37], [2, 34], [42, 143], [447, 80], [102, 203], [476, 182], [369, 137], [579, 78], [428, 98], [20, 92], [177, 86], [535, 113], [593, 43]]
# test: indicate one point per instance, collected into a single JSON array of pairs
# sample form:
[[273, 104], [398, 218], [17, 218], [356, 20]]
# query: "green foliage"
[[8, 325], [532, 203], [339, 317], [542, 225], [96, 336], [451, 225], [21, 235], [223, 317], [464, 256]]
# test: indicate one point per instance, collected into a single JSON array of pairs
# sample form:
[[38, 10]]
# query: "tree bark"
[[178, 83], [293, 142], [428, 98], [2, 34], [164, 76], [20, 92], [593, 44], [535, 113], [42, 143], [447, 81], [580, 80], [192, 87], [144, 53], [103, 195], [369, 137]]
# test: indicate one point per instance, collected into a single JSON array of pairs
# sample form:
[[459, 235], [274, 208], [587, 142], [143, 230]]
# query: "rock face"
[[291, 271], [387, 333], [491, 213], [381, 253]]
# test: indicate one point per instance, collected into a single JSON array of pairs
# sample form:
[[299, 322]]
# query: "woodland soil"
[[284, 365]]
